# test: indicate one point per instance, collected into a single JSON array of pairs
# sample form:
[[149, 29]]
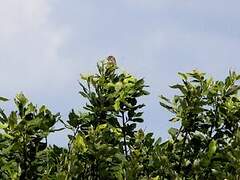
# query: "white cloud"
[[18, 16], [150, 38], [30, 43]]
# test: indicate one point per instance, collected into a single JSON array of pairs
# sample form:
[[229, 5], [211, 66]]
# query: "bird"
[[111, 60]]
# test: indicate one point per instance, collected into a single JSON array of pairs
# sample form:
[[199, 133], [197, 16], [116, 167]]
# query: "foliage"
[[23, 140], [105, 142], [106, 128], [207, 143]]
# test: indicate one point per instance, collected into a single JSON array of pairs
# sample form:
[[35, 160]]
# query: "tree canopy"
[[105, 142]]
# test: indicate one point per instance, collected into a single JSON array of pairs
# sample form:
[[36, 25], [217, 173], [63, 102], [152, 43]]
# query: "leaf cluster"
[[105, 143]]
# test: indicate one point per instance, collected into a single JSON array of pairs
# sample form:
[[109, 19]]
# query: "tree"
[[207, 143], [22, 140], [108, 124], [105, 142]]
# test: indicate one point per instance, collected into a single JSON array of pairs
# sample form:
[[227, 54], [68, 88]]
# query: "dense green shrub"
[[105, 142]]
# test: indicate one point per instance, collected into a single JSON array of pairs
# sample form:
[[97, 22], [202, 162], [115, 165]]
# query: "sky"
[[46, 44]]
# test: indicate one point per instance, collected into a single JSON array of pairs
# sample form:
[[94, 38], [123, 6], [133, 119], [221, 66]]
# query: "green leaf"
[[80, 144], [3, 99], [140, 120], [212, 148], [233, 90], [118, 86], [55, 130], [174, 119], [101, 127], [83, 94], [180, 87], [158, 141], [165, 99], [117, 105], [12, 120], [21, 99], [139, 114], [183, 76], [73, 119], [132, 126], [3, 126], [145, 92], [168, 107], [173, 132], [197, 74], [3, 117]]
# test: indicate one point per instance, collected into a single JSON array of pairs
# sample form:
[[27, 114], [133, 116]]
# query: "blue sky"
[[46, 44]]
